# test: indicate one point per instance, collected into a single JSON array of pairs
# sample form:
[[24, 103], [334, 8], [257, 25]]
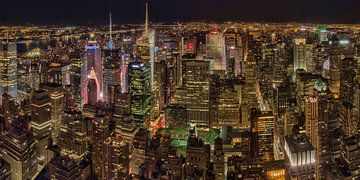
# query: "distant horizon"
[[92, 24], [81, 12]]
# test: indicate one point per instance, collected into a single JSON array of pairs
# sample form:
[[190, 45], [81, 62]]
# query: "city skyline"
[[180, 101]]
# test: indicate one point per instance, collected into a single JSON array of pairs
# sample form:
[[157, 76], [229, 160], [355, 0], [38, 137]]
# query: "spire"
[[147, 16], [110, 44], [110, 25]]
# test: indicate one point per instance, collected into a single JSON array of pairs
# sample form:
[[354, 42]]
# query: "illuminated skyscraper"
[[348, 70], [92, 73], [335, 65], [197, 84], [145, 46], [8, 110], [316, 129], [299, 54], [19, 150], [215, 49], [263, 134], [24, 77], [112, 67], [124, 125], [112, 72], [73, 135], [139, 151], [229, 109], [300, 157], [323, 34], [116, 158], [41, 123], [63, 168], [8, 69], [57, 99], [140, 92], [99, 133], [348, 119]]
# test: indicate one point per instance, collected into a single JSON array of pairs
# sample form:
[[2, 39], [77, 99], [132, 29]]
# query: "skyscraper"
[[263, 134], [299, 54], [197, 84], [92, 73], [140, 92], [41, 124], [112, 67], [300, 157], [73, 134], [215, 49], [116, 158], [8, 69], [323, 34], [19, 150], [57, 100], [139, 151]]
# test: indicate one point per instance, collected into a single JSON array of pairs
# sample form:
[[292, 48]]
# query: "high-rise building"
[[197, 84], [111, 76], [24, 77], [348, 70], [263, 134], [323, 34], [124, 125], [8, 110], [63, 168], [57, 99], [215, 49], [348, 119], [197, 158], [41, 123], [351, 156], [78, 68], [58, 73], [140, 92], [335, 65], [8, 69], [316, 126], [219, 162], [175, 115], [116, 158], [229, 109], [112, 66], [19, 150], [92, 73], [5, 170], [299, 54], [138, 154], [73, 135], [300, 157], [99, 133], [305, 82]]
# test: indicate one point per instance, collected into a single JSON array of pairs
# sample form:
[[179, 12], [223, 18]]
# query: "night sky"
[[69, 12]]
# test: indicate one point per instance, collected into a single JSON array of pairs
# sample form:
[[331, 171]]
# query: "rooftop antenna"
[[110, 17], [147, 16]]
